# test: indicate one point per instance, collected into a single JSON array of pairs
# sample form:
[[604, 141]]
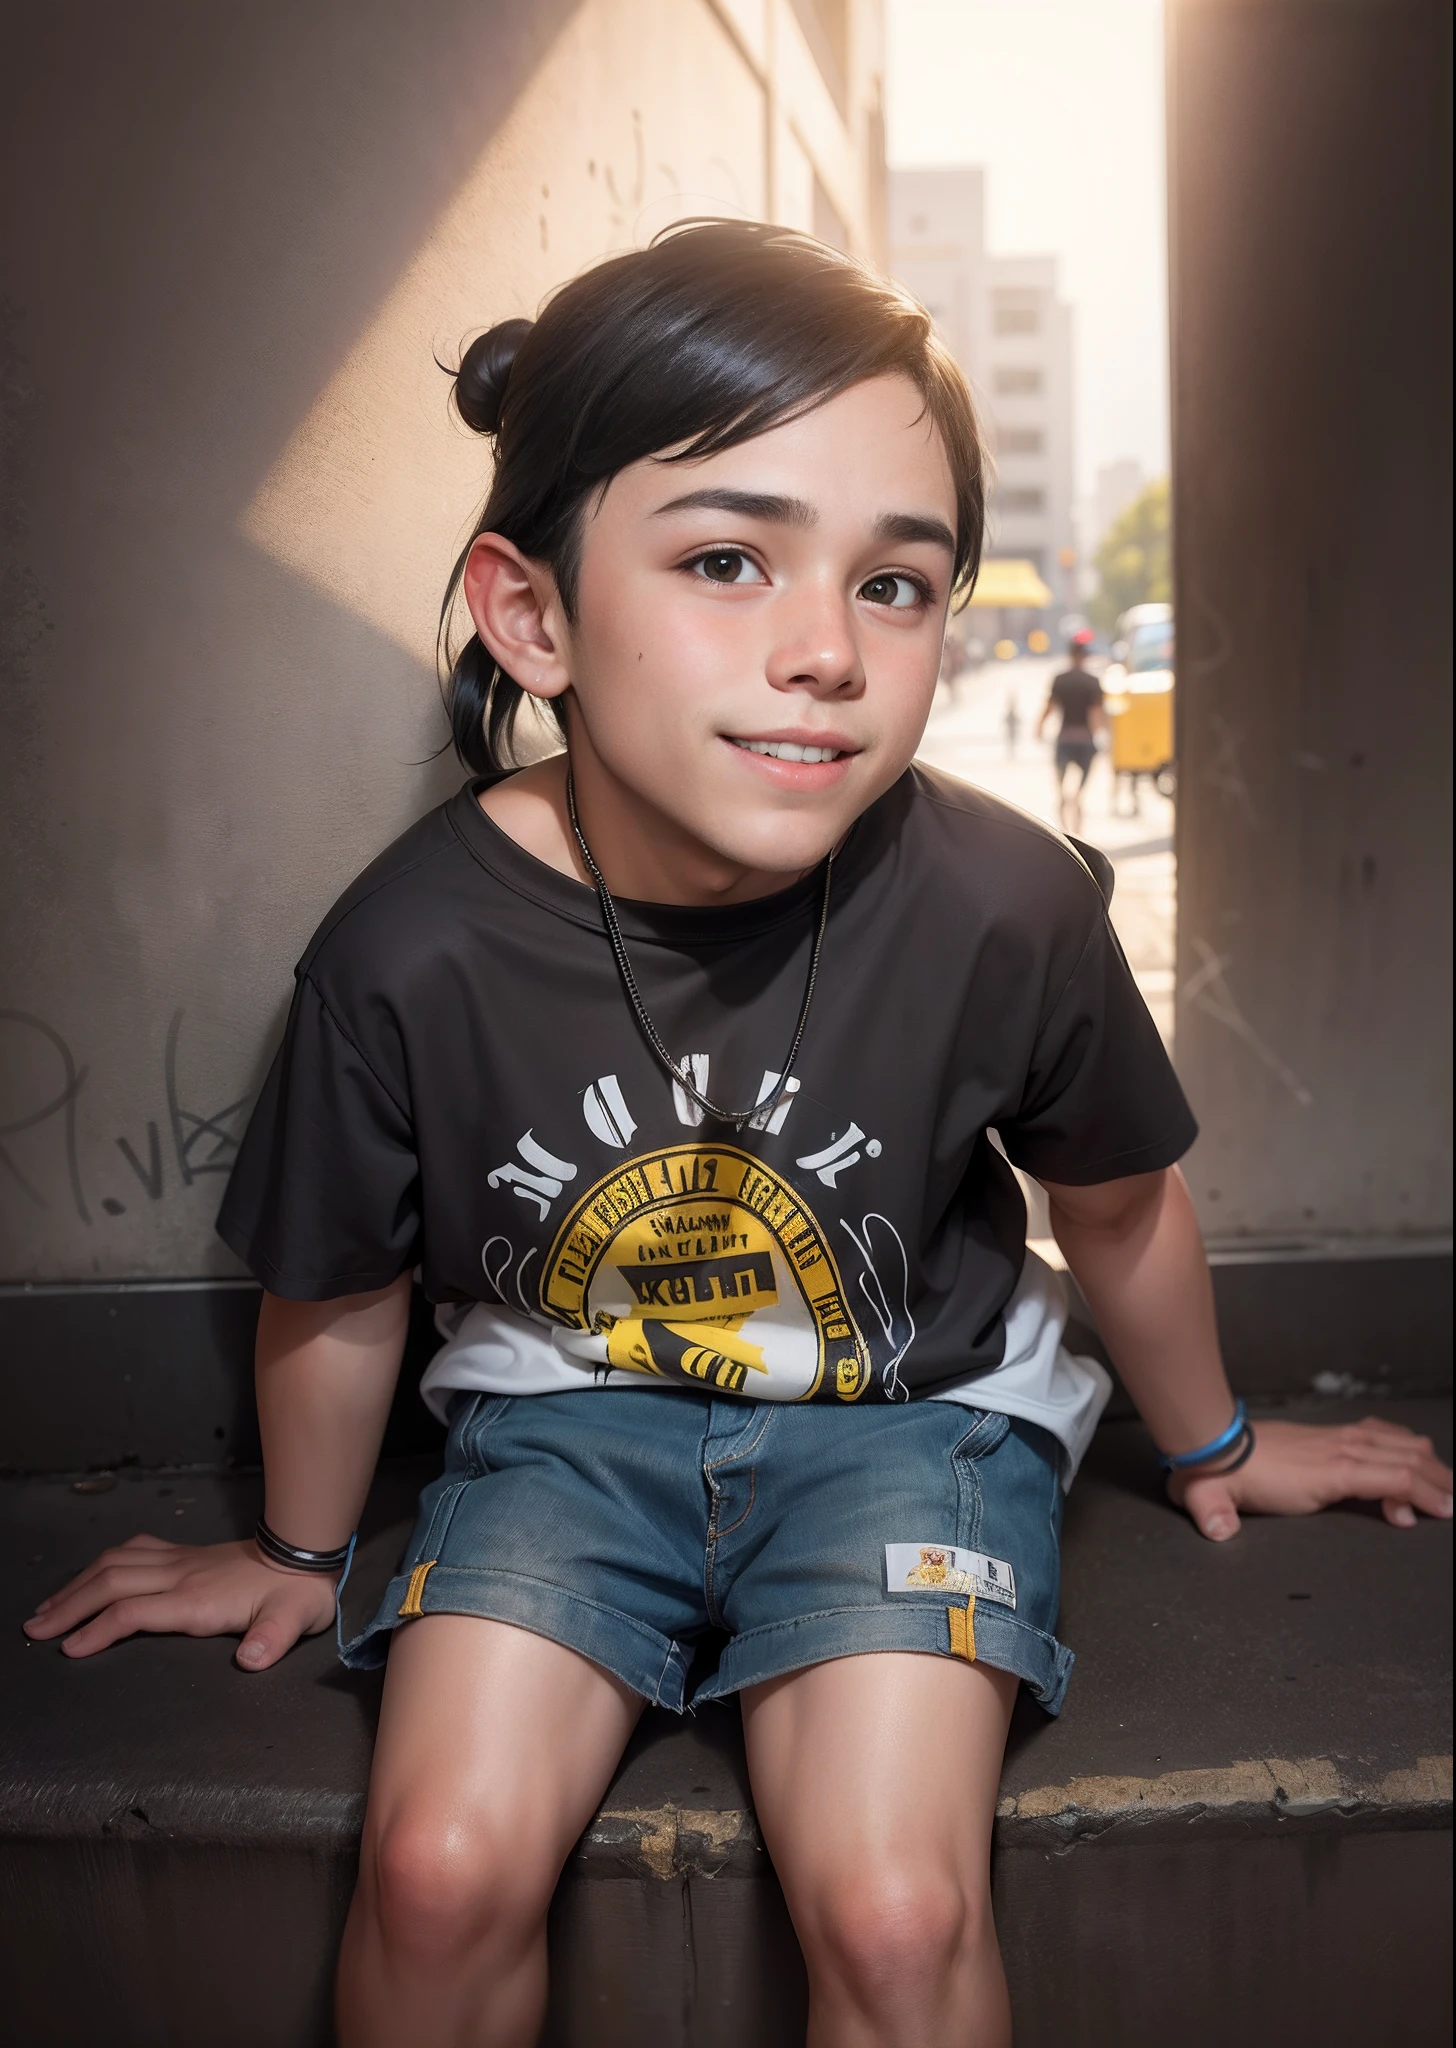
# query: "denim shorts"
[[693, 1546], [1076, 754]]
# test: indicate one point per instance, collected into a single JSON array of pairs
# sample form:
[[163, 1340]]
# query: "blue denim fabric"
[[694, 1546]]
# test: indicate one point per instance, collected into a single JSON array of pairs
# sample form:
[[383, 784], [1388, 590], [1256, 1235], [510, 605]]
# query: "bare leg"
[[875, 1780], [495, 1747], [1072, 806]]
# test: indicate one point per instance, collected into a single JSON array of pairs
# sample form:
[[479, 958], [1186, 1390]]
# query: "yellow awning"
[[1012, 585]]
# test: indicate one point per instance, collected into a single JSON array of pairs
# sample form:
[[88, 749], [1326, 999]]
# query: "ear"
[[518, 614]]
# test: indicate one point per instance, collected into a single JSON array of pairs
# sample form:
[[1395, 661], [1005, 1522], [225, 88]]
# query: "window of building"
[[1022, 441], [1016, 311], [1020, 499], [1017, 383]]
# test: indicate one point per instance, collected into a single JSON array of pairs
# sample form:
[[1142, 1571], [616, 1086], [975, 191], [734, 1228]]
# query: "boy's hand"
[[217, 1589], [1297, 1469]]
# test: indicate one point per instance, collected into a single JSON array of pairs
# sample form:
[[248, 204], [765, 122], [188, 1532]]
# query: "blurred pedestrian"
[[1076, 695], [1012, 723]]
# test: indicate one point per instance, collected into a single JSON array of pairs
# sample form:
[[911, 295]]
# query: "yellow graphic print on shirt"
[[699, 1261]]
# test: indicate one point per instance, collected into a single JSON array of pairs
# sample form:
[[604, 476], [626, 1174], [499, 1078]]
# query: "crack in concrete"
[[1308, 1785], [677, 1840], [674, 1844]]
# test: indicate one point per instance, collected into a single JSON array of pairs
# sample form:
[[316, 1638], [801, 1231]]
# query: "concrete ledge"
[[154, 1373], [1243, 1815]]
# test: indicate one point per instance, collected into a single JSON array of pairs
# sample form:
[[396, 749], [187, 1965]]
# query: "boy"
[[671, 1061]]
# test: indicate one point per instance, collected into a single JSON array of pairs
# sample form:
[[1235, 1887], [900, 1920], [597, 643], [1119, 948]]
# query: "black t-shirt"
[[1075, 692], [463, 1087]]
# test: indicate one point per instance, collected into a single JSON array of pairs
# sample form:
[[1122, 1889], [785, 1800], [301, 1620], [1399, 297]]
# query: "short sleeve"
[[1101, 1099], [324, 1196]]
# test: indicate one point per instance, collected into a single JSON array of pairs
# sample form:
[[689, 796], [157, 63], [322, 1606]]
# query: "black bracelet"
[[1243, 1449], [298, 1560], [1246, 1451]]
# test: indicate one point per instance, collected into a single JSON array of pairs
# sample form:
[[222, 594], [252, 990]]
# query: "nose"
[[815, 649]]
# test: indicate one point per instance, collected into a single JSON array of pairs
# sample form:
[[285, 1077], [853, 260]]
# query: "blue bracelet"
[[1179, 1461]]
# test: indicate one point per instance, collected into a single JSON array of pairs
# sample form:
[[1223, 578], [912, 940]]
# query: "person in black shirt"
[[1077, 695], [688, 1068]]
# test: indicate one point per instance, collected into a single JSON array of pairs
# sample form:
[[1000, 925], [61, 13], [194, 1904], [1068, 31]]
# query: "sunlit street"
[[969, 736]]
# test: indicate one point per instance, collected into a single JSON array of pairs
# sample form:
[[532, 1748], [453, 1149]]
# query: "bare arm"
[[325, 1374], [1135, 1248]]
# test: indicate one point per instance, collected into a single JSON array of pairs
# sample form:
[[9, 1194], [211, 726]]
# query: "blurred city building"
[[1003, 320]]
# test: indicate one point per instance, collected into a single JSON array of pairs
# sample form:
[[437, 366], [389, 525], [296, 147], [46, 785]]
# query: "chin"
[[778, 843]]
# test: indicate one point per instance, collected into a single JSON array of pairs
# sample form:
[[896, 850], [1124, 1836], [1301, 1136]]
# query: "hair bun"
[[484, 373]]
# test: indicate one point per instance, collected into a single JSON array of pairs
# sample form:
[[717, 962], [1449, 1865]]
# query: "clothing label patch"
[[941, 1568]]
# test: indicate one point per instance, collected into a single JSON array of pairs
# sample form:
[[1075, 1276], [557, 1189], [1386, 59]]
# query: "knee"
[[895, 1933], [439, 1886]]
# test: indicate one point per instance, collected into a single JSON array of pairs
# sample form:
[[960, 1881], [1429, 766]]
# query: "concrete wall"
[[234, 237], [1310, 211]]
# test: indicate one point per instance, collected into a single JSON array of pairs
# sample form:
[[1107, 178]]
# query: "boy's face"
[[787, 594]]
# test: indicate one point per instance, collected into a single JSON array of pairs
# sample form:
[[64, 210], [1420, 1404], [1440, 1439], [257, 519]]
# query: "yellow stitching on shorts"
[[410, 1608], [963, 1630]]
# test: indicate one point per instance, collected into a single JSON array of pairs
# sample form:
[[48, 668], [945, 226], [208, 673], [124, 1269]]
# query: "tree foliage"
[[1134, 562]]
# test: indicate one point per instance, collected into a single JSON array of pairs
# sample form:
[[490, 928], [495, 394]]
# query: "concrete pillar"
[[1310, 220]]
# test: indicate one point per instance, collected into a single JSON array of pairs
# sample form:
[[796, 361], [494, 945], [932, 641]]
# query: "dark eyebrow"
[[903, 527], [911, 526], [747, 505]]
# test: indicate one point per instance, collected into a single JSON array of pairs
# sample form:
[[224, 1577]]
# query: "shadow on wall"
[[204, 210]]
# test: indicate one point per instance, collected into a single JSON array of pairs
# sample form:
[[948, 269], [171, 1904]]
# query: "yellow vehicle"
[[1138, 701]]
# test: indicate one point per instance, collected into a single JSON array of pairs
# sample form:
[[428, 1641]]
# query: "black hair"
[[716, 332]]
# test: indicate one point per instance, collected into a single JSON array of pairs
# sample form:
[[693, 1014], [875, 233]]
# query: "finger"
[[116, 1582], [1396, 1440], [1423, 1472], [281, 1619], [149, 1614], [1402, 1470], [1359, 1479], [1389, 1443], [127, 1572], [1399, 1513], [124, 1553], [1381, 1427], [1211, 1504]]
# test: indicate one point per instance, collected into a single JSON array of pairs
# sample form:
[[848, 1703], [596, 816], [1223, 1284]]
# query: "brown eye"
[[899, 593], [726, 566]]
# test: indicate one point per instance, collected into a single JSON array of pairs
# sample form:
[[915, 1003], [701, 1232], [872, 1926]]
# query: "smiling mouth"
[[788, 750]]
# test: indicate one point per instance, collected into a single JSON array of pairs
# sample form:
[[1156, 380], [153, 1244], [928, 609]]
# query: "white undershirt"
[[493, 1350]]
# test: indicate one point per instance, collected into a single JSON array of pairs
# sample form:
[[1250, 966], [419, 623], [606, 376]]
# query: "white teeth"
[[785, 750]]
